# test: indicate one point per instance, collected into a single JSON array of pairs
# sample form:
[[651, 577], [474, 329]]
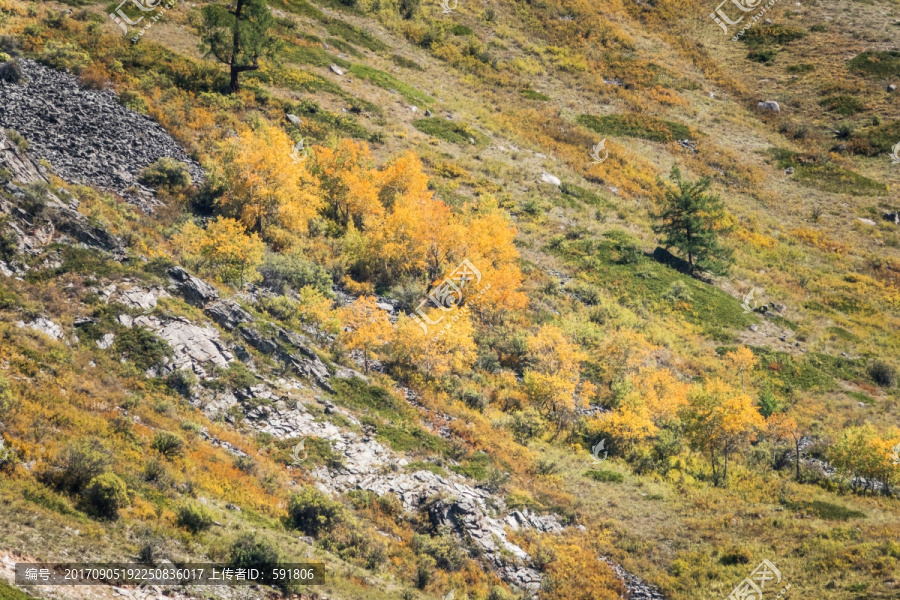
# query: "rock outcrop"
[[86, 135]]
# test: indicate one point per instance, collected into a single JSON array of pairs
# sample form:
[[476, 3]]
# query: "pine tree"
[[690, 220], [238, 35]]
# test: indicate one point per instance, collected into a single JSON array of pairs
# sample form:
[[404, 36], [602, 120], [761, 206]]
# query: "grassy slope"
[[675, 533]]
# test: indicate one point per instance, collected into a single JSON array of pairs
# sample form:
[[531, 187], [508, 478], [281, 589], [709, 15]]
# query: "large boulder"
[[194, 291]]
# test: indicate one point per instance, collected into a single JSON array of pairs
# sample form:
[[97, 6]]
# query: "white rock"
[[294, 119], [770, 105], [45, 326], [106, 341], [867, 221], [551, 179], [337, 70]]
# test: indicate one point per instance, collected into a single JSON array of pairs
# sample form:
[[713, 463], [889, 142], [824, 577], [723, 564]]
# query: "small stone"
[[337, 70], [754, 327], [294, 119], [769, 105], [867, 221], [789, 171]]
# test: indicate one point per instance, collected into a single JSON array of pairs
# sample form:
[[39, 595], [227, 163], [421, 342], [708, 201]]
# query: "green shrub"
[[10, 72], [312, 512], [168, 444], [443, 548], [9, 242], [193, 517], [826, 510], [182, 381], [605, 476], [165, 172], [843, 104], [105, 495], [78, 463], [281, 272], [876, 63], [250, 552], [882, 373], [142, 347], [526, 425]]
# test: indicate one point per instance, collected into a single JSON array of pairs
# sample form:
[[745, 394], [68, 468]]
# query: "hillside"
[[407, 293]]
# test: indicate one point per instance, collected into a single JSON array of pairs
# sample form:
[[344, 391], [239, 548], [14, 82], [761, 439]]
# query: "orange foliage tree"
[[554, 373], [266, 190], [369, 327], [718, 419]]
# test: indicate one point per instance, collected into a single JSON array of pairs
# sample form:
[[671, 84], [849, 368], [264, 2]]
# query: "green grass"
[[421, 465], [585, 195], [800, 69], [313, 55], [842, 104], [860, 397], [345, 47], [533, 95], [840, 332], [825, 510], [8, 592], [340, 123], [459, 29], [355, 35], [823, 175], [811, 371], [358, 395], [875, 63], [406, 63], [411, 438], [605, 476], [637, 126], [389, 82], [475, 467], [449, 131], [883, 137], [615, 263]]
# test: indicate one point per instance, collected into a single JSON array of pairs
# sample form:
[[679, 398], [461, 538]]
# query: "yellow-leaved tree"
[[652, 396], [266, 190], [369, 327], [741, 360], [223, 250], [719, 419], [554, 372], [347, 182], [447, 348]]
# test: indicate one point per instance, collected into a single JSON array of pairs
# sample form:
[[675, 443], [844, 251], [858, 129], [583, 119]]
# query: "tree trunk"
[[797, 459], [235, 47]]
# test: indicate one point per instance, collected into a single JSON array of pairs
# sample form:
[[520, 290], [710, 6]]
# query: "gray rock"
[[769, 105], [867, 221], [228, 314], [294, 119], [106, 341], [45, 326], [86, 135], [336, 70], [195, 291]]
